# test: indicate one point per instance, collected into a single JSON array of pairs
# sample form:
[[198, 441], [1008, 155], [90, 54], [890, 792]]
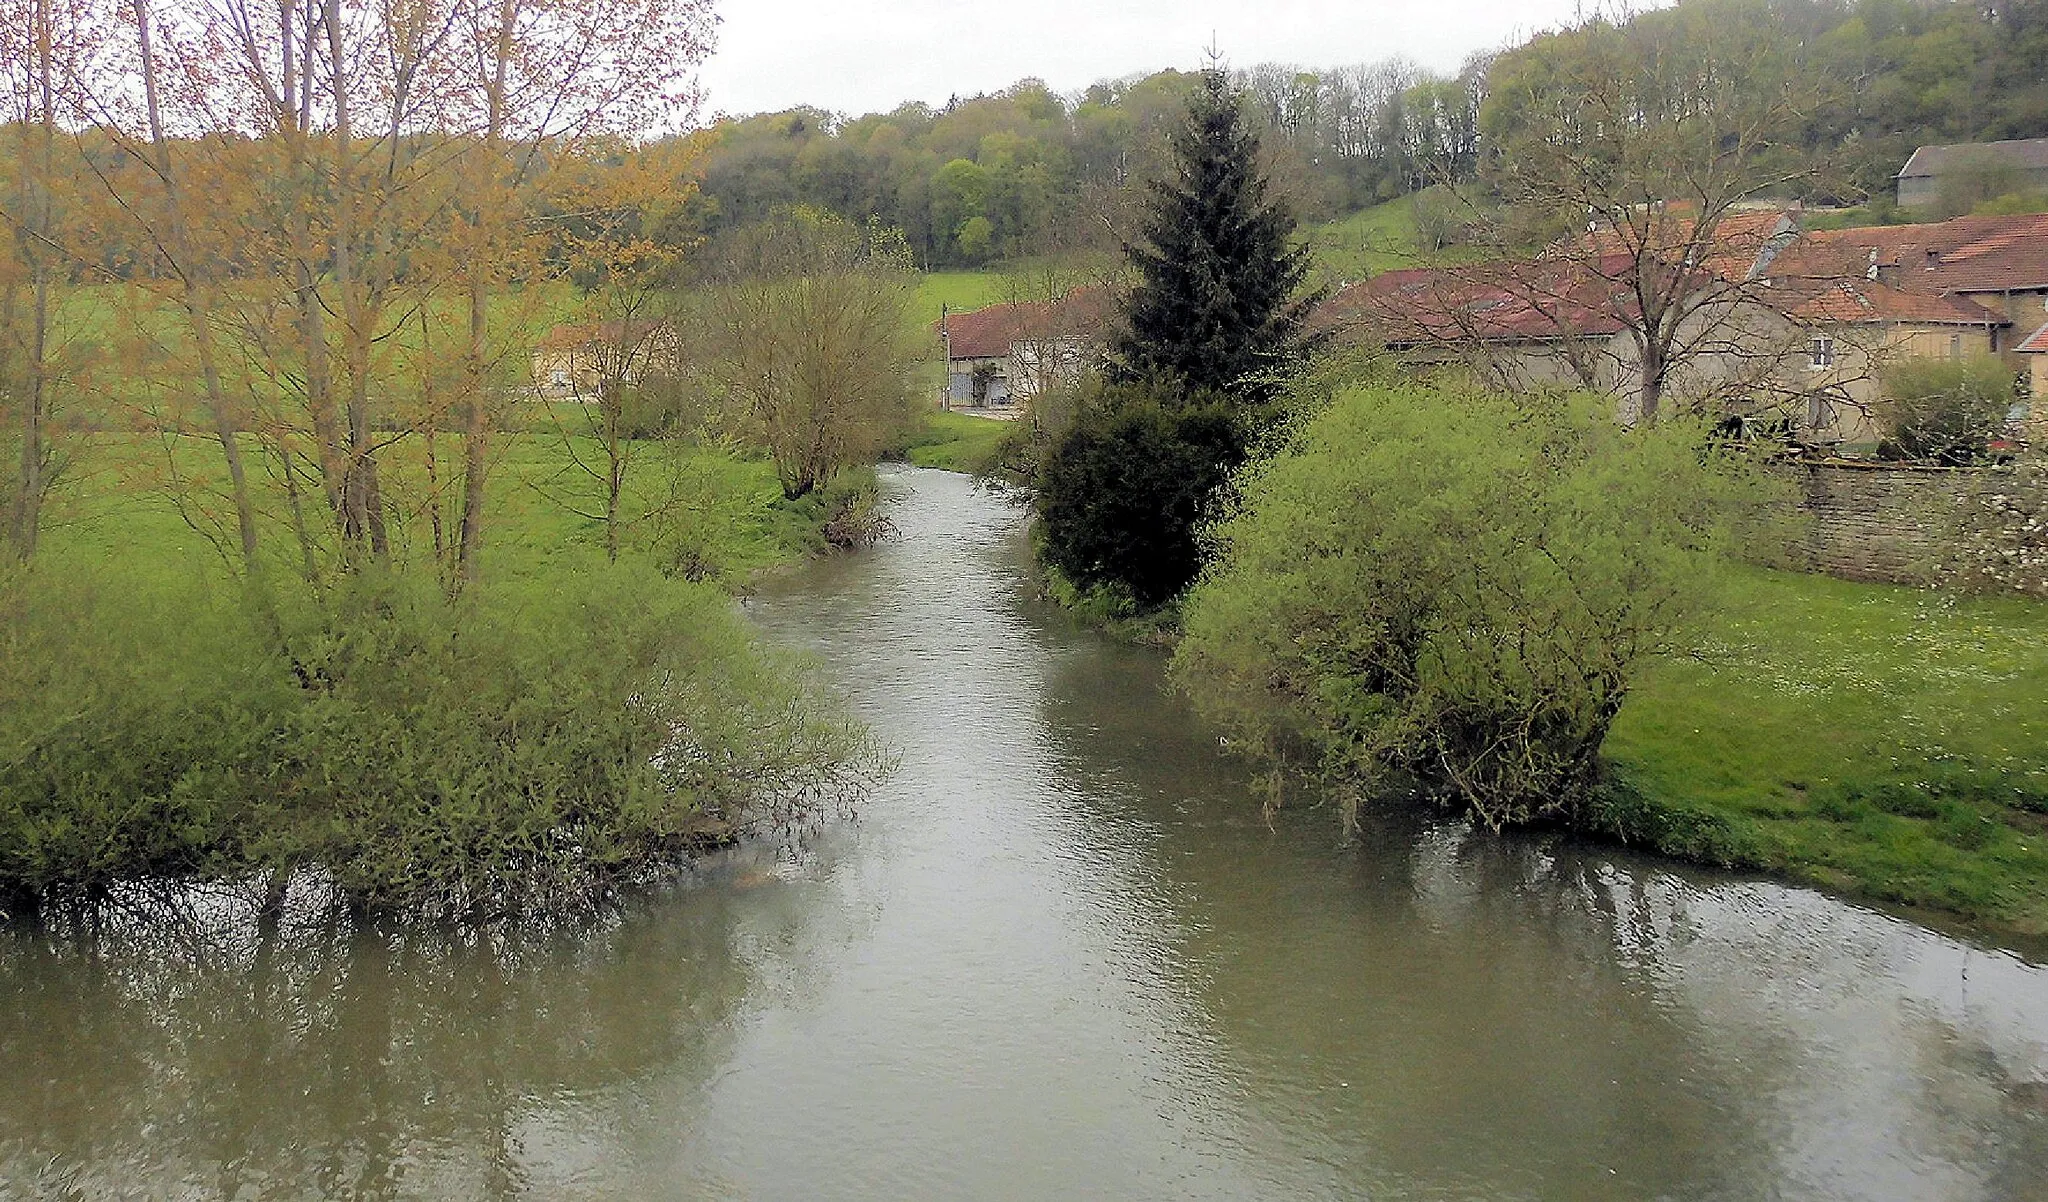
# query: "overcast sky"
[[860, 56]]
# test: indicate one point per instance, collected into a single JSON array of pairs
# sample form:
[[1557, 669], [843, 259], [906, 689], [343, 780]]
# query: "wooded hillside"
[[1029, 171]]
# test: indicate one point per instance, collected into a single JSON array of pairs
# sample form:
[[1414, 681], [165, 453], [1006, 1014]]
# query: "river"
[[1057, 955]]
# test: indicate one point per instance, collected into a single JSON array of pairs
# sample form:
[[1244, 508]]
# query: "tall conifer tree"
[[1219, 307]]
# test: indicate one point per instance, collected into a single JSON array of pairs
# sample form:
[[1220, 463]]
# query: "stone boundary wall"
[[1876, 521]]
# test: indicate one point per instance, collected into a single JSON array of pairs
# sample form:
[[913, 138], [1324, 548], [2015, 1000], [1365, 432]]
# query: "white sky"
[[860, 56]]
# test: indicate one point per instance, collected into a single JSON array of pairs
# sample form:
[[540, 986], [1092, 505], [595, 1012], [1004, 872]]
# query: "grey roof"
[[2028, 154]]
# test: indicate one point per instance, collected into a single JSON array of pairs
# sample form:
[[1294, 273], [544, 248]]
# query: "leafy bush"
[[1945, 410], [1122, 493], [529, 750], [1459, 586]]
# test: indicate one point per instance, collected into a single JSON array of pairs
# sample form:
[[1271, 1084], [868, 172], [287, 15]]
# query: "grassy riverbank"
[[955, 442], [1885, 742]]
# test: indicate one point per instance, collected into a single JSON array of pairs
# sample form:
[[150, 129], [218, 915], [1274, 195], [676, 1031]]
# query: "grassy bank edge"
[[1935, 824]]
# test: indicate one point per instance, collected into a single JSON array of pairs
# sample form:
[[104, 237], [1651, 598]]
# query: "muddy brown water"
[[1057, 956]]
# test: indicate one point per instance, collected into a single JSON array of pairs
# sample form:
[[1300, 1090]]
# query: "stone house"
[[1920, 180], [1000, 356], [1791, 329], [575, 361]]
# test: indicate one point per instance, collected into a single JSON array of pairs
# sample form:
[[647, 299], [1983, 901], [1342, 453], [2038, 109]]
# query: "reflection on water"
[[1058, 956]]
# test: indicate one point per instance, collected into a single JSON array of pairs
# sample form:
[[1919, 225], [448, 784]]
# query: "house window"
[[1820, 412], [1821, 353]]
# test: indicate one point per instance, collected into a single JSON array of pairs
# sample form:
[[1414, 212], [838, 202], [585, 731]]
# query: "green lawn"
[[1883, 741], [960, 291], [719, 510]]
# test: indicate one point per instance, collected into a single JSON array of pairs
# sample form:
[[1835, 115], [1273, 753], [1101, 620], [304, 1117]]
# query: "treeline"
[[1027, 171]]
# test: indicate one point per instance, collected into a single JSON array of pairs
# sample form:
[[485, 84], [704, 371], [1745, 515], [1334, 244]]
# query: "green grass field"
[[959, 291], [1370, 241], [719, 511], [1886, 742]]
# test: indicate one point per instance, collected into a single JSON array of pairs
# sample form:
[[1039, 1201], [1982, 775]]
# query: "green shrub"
[[1945, 410], [1123, 492], [132, 720], [1457, 585], [532, 749]]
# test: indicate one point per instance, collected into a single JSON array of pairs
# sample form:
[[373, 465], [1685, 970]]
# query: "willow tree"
[[332, 181], [46, 48], [806, 332]]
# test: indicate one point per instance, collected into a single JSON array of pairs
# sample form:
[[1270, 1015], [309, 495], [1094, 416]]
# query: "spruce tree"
[[1219, 306], [1211, 334]]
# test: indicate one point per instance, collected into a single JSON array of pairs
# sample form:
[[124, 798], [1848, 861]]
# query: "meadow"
[[1887, 742]]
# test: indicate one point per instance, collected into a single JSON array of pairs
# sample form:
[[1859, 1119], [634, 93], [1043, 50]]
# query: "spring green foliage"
[[1346, 138], [804, 332], [1945, 410], [570, 728], [1457, 586], [1887, 741], [537, 746]]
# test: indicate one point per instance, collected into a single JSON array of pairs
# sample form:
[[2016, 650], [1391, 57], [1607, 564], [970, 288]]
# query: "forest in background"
[[1029, 171]]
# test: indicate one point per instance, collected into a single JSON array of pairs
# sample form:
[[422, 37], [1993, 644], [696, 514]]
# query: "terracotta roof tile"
[[1966, 254], [987, 333], [1533, 300], [2036, 343]]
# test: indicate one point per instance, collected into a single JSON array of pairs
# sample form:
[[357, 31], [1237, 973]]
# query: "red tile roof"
[[1966, 254], [1666, 233], [988, 332], [1533, 300], [2036, 343]]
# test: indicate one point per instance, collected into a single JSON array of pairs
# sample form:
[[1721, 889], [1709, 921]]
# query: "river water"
[[1058, 955]]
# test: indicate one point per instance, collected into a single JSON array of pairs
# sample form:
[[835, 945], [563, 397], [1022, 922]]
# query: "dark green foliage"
[[1122, 495], [1219, 306], [532, 749], [1212, 334]]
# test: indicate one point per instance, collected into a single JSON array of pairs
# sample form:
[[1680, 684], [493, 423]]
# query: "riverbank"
[[1882, 742], [956, 442]]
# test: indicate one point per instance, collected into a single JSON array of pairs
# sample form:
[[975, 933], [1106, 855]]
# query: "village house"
[[2034, 350], [576, 361], [1793, 329], [1000, 356], [1920, 181]]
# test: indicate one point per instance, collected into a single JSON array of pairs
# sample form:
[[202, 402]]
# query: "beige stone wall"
[[1872, 522]]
